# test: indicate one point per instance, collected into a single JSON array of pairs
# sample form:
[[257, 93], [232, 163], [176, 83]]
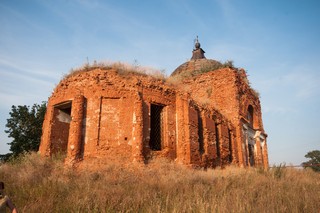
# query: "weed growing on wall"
[[216, 66]]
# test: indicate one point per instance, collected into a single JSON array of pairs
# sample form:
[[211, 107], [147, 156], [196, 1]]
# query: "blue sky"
[[276, 41]]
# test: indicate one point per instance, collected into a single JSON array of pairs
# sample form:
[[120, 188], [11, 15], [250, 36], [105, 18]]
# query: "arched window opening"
[[250, 115]]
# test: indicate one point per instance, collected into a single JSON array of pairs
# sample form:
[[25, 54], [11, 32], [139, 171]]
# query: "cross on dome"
[[197, 44], [198, 52]]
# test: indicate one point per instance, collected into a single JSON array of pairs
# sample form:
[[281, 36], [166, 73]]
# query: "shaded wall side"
[[209, 135], [249, 98], [193, 129], [224, 144], [228, 91], [217, 89]]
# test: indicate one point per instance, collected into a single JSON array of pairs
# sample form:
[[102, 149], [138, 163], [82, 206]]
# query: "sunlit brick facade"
[[201, 119]]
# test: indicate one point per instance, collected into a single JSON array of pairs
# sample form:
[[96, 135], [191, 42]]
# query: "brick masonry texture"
[[206, 120]]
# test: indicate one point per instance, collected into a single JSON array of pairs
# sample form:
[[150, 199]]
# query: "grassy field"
[[36, 184]]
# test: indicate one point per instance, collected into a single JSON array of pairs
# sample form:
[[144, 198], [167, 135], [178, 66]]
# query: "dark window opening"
[[217, 140], [156, 127], [230, 146], [251, 154], [64, 107], [200, 134], [66, 110], [250, 115]]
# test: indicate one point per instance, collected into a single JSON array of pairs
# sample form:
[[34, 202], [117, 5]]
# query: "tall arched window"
[[250, 115]]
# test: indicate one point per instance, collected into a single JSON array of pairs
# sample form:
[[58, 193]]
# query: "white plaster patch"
[[64, 117], [134, 118], [257, 134]]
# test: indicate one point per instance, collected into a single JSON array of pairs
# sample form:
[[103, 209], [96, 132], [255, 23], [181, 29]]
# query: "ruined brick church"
[[204, 115]]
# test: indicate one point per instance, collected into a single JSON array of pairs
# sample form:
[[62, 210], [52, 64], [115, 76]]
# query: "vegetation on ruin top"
[[126, 69], [37, 184], [213, 67], [120, 67], [135, 68]]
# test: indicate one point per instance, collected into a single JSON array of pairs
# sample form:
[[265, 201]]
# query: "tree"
[[314, 161], [25, 127]]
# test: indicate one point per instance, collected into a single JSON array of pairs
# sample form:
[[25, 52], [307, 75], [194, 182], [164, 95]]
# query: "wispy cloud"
[[24, 85], [305, 82], [27, 70], [288, 89], [301, 84], [278, 110]]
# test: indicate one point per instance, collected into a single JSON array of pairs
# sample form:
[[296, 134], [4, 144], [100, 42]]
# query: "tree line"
[[24, 126]]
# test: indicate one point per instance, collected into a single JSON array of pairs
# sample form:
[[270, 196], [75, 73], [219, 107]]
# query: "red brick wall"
[[116, 115], [227, 91], [111, 117]]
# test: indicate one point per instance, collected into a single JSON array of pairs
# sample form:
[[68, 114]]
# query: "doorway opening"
[[60, 127], [156, 124]]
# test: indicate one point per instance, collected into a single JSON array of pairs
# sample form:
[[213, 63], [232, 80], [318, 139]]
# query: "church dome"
[[197, 64]]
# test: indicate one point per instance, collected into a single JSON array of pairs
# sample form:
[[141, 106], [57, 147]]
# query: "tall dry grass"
[[122, 69], [38, 184]]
